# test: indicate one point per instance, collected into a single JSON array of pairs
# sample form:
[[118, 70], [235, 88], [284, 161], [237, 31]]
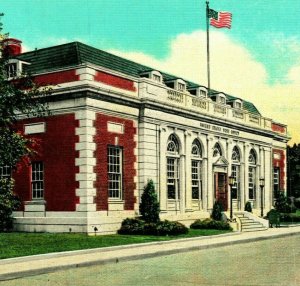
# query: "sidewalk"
[[39, 264]]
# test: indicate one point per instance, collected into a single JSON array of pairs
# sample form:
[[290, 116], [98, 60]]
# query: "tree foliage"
[[149, 206], [217, 211], [8, 203], [293, 170], [20, 98]]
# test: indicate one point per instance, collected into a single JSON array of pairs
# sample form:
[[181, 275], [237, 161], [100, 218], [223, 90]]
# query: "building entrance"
[[221, 193]]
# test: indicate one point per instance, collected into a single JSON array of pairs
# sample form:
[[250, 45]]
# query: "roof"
[[76, 53]]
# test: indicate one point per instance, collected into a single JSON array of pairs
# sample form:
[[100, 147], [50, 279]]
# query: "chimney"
[[12, 47]]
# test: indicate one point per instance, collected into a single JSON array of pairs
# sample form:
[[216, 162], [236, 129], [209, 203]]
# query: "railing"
[[203, 105]]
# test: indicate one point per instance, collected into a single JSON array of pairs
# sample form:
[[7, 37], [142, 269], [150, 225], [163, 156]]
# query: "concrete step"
[[254, 229], [249, 223], [251, 226]]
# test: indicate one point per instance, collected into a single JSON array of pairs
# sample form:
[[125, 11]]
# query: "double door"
[[221, 189]]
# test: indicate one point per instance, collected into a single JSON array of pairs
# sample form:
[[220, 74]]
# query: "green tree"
[[8, 203], [149, 207], [293, 170], [19, 97], [282, 204], [217, 211]]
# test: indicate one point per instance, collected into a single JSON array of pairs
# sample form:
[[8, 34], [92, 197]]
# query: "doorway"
[[221, 192]]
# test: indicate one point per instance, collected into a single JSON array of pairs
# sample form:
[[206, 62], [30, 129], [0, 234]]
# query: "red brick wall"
[[57, 150], [103, 138], [278, 128], [56, 77], [280, 163], [115, 81]]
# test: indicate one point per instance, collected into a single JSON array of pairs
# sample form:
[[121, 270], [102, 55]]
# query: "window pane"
[[235, 171], [196, 179], [37, 180], [114, 169], [251, 187]]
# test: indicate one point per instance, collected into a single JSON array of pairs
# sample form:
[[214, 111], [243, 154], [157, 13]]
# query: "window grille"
[[196, 170], [5, 172], [252, 174], [173, 168], [114, 167], [37, 180]]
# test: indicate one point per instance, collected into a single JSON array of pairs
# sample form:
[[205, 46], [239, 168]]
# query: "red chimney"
[[12, 47]]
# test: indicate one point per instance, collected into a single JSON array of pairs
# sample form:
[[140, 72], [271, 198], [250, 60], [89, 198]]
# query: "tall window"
[[235, 171], [5, 172], [252, 175], [276, 184], [217, 150], [173, 168], [196, 170], [37, 180], [114, 168]]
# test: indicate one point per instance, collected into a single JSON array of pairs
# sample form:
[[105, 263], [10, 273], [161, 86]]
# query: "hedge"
[[139, 227], [210, 224]]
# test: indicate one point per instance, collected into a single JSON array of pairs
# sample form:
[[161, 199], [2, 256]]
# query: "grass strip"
[[17, 244]]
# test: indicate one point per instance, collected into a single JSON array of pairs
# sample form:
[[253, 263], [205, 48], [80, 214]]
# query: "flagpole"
[[207, 43]]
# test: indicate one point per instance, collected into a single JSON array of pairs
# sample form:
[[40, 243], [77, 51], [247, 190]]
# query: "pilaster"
[[86, 161]]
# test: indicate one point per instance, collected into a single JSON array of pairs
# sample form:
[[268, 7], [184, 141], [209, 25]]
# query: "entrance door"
[[221, 189]]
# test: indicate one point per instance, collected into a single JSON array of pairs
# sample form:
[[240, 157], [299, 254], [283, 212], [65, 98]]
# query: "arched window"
[[196, 170], [236, 157], [235, 172], [173, 146], [217, 150], [252, 174], [173, 168], [252, 157]]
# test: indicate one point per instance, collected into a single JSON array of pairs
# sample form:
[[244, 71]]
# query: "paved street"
[[269, 262]]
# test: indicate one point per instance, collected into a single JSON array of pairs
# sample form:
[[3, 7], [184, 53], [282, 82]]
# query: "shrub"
[[149, 207], [8, 203], [289, 217], [132, 226], [282, 204], [136, 226], [248, 207], [297, 203], [170, 228], [210, 224], [217, 211]]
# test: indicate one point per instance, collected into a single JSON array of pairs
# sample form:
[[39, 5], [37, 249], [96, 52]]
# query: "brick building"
[[115, 123]]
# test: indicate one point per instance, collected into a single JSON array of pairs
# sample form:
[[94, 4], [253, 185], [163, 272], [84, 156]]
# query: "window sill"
[[115, 205], [35, 202], [35, 206]]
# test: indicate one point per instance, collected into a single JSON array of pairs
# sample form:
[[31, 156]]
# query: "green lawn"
[[17, 244]]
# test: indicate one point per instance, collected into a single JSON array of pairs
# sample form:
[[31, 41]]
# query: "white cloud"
[[233, 70]]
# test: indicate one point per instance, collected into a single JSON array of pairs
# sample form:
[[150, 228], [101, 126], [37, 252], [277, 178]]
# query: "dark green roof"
[[76, 53]]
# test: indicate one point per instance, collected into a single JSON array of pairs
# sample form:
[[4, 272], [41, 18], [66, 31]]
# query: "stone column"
[[204, 186], [210, 175], [188, 171], [242, 177], [268, 178], [229, 145], [182, 183], [246, 173], [163, 169]]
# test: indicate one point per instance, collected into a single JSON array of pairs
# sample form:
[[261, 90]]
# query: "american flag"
[[220, 19]]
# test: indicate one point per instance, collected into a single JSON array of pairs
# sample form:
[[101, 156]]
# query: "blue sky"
[[150, 25], [265, 33]]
